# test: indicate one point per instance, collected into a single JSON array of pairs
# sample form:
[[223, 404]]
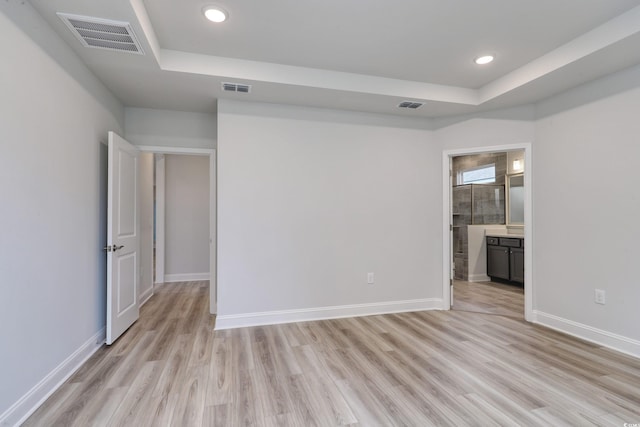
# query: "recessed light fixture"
[[482, 60], [215, 14]]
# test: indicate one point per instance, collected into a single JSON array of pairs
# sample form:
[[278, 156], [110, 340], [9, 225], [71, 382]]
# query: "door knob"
[[116, 247], [112, 248]]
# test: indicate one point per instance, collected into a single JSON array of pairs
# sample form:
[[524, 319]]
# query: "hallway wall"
[[186, 218]]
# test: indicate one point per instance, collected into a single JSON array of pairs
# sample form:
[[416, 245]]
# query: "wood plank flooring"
[[489, 298], [415, 369]]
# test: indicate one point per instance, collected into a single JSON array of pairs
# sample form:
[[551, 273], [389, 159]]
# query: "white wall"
[[307, 206], [478, 250], [586, 208], [186, 217], [54, 114], [481, 132], [585, 204], [166, 128], [145, 191]]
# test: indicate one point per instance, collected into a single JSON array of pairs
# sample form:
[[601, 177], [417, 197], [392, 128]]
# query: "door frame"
[[447, 156], [158, 227], [211, 153]]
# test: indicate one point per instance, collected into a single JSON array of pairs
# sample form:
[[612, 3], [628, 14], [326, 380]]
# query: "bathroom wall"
[[463, 163], [515, 162], [482, 204], [477, 250]]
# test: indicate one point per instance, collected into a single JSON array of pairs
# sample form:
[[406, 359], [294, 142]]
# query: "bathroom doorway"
[[477, 206]]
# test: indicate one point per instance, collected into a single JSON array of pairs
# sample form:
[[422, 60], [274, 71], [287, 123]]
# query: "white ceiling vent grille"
[[236, 87], [411, 105], [103, 33]]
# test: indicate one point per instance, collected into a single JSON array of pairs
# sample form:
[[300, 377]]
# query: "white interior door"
[[123, 237]]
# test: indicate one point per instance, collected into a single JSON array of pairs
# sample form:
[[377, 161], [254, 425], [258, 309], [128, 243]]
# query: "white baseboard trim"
[[145, 296], [187, 277], [479, 278], [320, 313], [27, 404], [597, 336]]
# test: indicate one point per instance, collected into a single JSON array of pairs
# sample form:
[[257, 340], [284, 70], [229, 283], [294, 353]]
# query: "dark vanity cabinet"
[[516, 264], [497, 259], [505, 258]]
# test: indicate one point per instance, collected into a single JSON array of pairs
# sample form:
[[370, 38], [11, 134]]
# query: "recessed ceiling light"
[[215, 14], [482, 60]]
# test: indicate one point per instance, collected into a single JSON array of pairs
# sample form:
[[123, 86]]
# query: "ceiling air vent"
[[236, 87], [411, 104], [103, 33]]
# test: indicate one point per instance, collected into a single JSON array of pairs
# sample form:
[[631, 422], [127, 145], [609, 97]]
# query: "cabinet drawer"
[[492, 241], [512, 243]]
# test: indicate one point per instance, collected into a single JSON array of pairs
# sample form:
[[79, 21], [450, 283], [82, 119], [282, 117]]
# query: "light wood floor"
[[416, 369], [489, 298]]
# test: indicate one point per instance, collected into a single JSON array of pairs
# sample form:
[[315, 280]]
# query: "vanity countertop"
[[504, 234]]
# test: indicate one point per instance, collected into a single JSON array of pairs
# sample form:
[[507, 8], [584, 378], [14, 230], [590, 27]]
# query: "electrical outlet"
[[600, 296], [370, 278]]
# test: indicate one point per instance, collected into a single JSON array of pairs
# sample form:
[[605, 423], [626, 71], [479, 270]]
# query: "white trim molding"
[[213, 233], [186, 277], [145, 296], [243, 320], [27, 404], [175, 150], [159, 227], [597, 336]]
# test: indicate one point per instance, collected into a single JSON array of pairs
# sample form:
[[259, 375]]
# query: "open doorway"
[[487, 220], [181, 237], [483, 279], [182, 218]]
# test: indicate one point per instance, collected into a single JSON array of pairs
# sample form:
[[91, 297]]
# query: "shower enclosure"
[[473, 204]]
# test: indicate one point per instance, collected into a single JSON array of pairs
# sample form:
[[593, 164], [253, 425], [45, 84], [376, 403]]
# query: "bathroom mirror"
[[515, 199]]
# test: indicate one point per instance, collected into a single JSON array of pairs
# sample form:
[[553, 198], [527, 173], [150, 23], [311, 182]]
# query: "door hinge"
[[450, 227]]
